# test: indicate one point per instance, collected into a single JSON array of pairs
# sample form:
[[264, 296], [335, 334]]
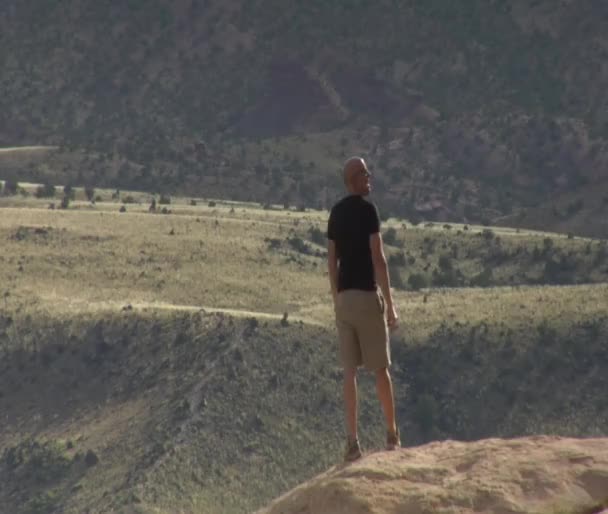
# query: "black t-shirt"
[[351, 221]]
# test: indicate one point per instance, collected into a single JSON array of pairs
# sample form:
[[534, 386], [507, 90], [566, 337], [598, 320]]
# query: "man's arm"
[[382, 278], [332, 268]]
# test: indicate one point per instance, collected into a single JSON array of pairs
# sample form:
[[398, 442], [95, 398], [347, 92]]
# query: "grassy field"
[[193, 352]]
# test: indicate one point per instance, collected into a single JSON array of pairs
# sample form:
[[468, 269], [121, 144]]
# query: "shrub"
[[487, 234], [91, 459], [122, 209], [426, 412], [273, 243], [11, 187], [65, 202], [45, 191], [483, 279], [68, 191], [89, 192], [42, 502], [447, 278], [193, 203], [211, 204], [299, 245], [397, 259], [317, 236], [417, 281], [390, 237], [396, 279], [165, 199], [445, 263], [128, 199]]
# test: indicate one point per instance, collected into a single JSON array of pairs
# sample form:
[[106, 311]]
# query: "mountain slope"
[[466, 111]]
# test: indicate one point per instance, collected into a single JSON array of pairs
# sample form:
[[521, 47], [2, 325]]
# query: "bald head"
[[356, 176]]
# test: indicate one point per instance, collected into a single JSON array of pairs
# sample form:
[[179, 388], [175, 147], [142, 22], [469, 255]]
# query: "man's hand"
[[392, 318]]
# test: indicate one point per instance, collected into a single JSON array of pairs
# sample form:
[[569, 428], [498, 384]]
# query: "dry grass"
[[198, 256], [218, 256]]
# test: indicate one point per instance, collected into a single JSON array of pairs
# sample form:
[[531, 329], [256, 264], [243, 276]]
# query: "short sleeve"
[[373, 223], [331, 227]]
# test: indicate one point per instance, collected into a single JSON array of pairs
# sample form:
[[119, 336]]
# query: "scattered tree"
[[68, 191], [89, 192], [45, 191], [11, 187]]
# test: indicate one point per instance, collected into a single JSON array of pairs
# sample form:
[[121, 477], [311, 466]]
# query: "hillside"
[[184, 360], [540, 475], [468, 112]]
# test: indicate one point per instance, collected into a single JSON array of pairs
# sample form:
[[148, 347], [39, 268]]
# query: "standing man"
[[357, 266]]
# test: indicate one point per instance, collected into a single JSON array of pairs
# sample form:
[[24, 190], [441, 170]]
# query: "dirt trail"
[[114, 305]]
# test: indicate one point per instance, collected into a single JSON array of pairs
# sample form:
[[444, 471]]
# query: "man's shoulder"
[[353, 201]]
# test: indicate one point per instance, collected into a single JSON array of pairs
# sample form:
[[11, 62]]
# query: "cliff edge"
[[544, 475]]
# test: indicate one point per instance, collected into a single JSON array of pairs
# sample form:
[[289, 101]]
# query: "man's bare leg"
[[384, 389], [350, 402]]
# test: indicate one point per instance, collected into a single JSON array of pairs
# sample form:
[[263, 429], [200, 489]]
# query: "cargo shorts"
[[362, 329]]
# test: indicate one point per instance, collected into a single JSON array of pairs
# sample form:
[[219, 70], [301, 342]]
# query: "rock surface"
[[540, 474]]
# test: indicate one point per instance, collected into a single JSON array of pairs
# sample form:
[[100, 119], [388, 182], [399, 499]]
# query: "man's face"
[[361, 181]]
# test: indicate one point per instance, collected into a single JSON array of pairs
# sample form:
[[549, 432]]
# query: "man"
[[357, 266]]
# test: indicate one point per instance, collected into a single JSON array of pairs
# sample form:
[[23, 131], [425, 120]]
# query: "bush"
[[417, 281], [65, 202], [396, 279], [122, 209], [483, 279], [397, 259], [89, 192], [445, 263], [91, 458], [128, 199], [426, 412], [487, 234], [11, 187], [317, 236], [164, 199], [447, 278], [45, 191], [68, 191], [390, 237], [299, 245], [42, 503]]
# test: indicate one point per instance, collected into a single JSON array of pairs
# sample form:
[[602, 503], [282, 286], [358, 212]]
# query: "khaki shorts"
[[362, 329]]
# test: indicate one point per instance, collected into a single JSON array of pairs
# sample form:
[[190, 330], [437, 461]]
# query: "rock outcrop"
[[544, 475]]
